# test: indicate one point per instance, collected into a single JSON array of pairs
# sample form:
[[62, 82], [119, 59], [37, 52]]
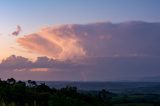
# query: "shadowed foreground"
[[18, 93]]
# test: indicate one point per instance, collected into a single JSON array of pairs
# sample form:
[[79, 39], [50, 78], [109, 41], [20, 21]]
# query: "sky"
[[75, 31]]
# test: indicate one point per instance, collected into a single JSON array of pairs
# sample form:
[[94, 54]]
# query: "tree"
[[105, 95], [32, 83], [43, 88], [11, 81]]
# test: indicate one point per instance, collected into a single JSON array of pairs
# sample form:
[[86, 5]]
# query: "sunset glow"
[[78, 40], [54, 43]]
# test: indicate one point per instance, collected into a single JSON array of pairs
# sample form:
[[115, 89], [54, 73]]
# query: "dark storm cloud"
[[19, 62], [93, 68]]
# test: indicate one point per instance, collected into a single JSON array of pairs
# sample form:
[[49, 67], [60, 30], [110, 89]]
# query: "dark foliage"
[[19, 93]]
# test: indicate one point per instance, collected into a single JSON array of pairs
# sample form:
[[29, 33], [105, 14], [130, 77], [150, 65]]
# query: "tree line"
[[20, 93], [29, 93]]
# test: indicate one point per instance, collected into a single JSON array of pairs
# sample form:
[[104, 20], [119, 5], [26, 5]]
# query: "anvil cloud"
[[133, 38]]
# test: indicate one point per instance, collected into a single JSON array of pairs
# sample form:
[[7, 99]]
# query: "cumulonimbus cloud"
[[96, 39], [122, 51]]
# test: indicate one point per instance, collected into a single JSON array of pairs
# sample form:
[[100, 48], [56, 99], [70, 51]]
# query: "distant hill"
[[151, 79]]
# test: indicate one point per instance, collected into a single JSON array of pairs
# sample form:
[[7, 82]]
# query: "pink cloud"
[[53, 42], [95, 39], [39, 69]]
